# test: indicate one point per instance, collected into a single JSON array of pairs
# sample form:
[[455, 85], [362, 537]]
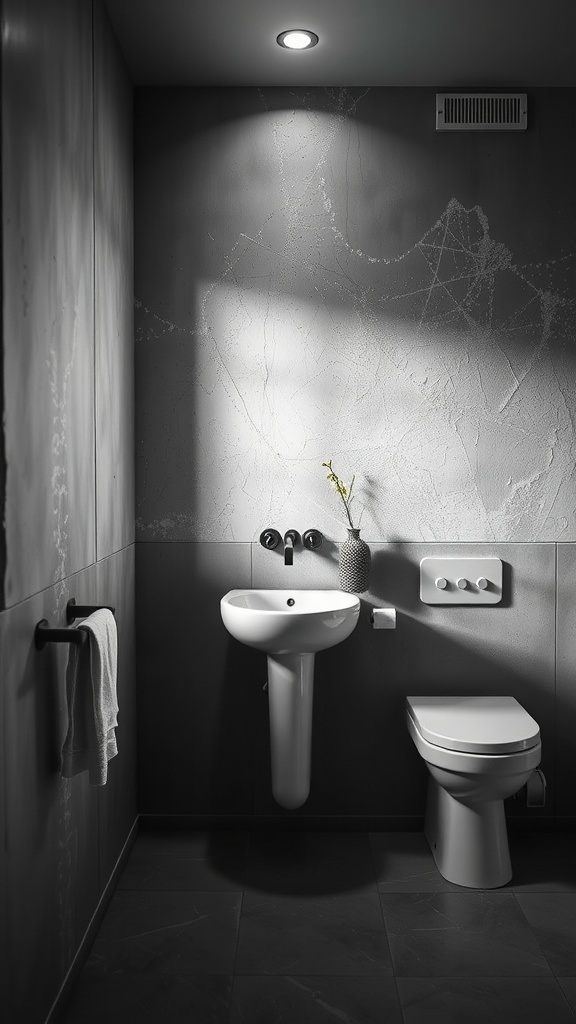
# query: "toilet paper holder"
[[383, 618]]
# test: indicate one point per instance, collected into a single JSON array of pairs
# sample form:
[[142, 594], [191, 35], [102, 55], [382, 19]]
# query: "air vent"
[[480, 111]]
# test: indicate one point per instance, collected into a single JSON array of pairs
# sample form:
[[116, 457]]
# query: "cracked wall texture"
[[320, 274]]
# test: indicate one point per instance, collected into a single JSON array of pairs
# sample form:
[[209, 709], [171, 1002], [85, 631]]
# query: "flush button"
[[461, 579]]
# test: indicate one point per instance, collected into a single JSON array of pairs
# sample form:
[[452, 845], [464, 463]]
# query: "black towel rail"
[[45, 634], [80, 611]]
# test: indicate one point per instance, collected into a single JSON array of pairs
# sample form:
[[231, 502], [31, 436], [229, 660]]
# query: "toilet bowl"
[[478, 751]]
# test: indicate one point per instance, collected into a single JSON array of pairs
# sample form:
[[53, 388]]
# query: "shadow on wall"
[[41, 735], [240, 750], [360, 737], [396, 579]]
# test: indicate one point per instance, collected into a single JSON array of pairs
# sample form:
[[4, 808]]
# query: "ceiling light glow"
[[297, 39]]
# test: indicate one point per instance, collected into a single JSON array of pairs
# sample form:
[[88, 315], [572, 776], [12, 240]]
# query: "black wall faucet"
[[270, 539], [291, 537]]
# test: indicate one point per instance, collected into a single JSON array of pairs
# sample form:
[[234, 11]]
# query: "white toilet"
[[478, 751]]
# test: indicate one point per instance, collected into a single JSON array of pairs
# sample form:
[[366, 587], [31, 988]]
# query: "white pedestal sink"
[[290, 626]]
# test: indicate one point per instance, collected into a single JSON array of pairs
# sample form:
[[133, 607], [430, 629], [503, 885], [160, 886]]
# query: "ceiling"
[[442, 43]]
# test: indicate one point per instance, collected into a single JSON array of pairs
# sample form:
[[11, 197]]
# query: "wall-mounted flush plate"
[[461, 580]]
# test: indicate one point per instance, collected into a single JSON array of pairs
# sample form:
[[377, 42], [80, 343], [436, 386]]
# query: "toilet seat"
[[474, 725]]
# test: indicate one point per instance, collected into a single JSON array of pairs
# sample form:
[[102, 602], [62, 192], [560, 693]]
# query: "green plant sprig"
[[341, 489]]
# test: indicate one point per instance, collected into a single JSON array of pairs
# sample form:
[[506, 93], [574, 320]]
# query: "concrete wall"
[[319, 274], [68, 440]]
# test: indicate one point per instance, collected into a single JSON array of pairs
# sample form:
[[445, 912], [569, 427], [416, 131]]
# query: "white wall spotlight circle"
[[297, 39]]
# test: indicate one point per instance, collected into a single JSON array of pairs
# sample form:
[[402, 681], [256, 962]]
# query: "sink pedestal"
[[284, 624], [290, 694]]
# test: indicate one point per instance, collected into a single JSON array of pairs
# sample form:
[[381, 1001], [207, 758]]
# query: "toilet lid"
[[481, 725]]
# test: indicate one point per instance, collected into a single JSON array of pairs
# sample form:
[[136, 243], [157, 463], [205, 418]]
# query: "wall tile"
[[117, 809], [51, 823], [48, 293], [197, 687], [364, 762], [566, 679], [114, 319], [310, 570], [62, 836]]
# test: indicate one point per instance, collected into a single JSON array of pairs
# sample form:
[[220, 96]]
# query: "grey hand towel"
[[92, 703]]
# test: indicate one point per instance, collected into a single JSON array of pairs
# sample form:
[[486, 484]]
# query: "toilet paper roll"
[[383, 618]]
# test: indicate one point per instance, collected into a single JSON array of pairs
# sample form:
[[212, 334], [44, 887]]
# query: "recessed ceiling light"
[[297, 39]]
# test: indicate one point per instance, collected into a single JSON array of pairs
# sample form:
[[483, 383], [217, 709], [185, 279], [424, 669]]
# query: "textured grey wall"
[[321, 274], [68, 373], [48, 298]]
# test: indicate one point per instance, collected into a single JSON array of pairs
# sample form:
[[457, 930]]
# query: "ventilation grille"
[[480, 111]]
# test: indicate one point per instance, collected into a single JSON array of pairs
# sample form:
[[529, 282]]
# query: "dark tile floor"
[[318, 928]]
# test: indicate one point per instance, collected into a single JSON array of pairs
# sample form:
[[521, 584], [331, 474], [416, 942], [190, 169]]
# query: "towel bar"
[[80, 611], [43, 635]]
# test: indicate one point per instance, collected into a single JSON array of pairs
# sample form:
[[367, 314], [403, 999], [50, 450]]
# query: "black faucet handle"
[[312, 539], [270, 539]]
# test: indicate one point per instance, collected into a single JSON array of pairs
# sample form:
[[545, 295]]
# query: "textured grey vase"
[[354, 571]]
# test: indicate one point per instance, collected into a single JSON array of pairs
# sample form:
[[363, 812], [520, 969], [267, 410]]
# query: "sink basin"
[[291, 626], [284, 621]]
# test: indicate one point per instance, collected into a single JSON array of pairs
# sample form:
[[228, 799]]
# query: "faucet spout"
[[290, 539]]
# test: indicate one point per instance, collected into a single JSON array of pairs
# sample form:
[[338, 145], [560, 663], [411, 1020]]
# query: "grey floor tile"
[[198, 861], [168, 933], [315, 924], [460, 933], [543, 861], [285, 999], [328, 934], [552, 918], [403, 862], [310, 862], [479, 1000], [138, 998], [568, 986]]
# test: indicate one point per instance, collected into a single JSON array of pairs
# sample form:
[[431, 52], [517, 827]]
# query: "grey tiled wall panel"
[[61, 836], [114, 319], [566, 680], [198, 694], [204, 744], [48, 297]]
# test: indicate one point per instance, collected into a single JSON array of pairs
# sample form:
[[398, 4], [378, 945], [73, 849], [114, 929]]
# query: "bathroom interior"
[[223, 267]]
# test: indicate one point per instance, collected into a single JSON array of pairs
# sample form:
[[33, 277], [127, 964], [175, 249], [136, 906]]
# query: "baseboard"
[[329, 823], [259, 822], [63, 997]]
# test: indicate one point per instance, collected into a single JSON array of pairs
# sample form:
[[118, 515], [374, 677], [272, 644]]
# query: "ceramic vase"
[[354, 569]]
